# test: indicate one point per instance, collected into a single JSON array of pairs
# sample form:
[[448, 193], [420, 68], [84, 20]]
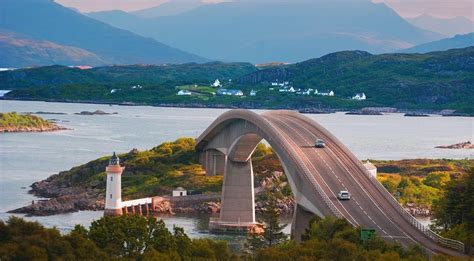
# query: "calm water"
[[28, 157]]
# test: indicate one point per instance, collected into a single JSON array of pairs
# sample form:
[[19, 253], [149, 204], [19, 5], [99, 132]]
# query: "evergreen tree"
[[273, 231]]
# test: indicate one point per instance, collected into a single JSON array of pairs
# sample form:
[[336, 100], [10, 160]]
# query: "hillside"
[[418, 81], [285, 31], [22, 51], [114, 76], [458, 41], [45, 20], [433, 82], [448, 27]]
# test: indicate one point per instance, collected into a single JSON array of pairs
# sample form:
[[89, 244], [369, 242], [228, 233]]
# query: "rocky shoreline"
[[52, 128], [309, 110]]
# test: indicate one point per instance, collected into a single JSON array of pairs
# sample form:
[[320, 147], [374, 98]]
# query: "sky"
[[405, 8]]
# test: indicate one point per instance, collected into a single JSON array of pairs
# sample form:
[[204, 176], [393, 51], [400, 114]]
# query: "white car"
[[343, 195]]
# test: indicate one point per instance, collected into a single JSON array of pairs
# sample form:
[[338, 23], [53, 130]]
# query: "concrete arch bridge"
[[315, 176]]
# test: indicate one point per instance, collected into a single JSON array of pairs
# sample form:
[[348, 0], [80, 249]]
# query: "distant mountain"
[[21, 51], [458, 41], [285, 31], [172, 7], [448, 27], [45, 20]]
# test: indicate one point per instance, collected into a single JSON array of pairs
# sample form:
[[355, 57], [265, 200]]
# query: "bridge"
[[315, 177]]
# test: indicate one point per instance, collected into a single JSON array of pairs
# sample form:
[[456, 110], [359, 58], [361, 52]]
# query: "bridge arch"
[[237, 133]]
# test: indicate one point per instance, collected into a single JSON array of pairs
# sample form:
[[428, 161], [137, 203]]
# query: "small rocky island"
[[97, 112], [458, 146], [15, 122]]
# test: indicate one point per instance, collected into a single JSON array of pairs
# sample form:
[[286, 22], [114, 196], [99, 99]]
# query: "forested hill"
[[432, 81], [437, 79], [54, 76]]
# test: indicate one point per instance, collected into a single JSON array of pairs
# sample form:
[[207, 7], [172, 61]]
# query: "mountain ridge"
[[262, 31], [47, 20], [456, 42]]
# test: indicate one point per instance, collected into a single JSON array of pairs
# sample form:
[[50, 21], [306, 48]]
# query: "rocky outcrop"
[[462, 145], [74, 199], [97, 112], [418, 211]]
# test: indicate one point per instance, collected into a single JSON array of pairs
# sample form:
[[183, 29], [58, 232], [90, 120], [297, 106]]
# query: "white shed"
[[371, 168], [179, 192]]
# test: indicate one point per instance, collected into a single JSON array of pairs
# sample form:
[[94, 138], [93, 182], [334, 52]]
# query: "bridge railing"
[[447, 242]]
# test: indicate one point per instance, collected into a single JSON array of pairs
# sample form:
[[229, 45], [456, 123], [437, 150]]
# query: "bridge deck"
[[335, 170]]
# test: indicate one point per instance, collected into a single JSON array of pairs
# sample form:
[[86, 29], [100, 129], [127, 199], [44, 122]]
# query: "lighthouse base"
[[113, 212]]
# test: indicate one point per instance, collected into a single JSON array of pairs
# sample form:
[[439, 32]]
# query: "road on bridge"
[[336, 169]]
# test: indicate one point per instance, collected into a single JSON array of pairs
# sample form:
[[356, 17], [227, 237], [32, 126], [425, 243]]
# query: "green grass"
[[205, 90], [420, 181], [15, 120]]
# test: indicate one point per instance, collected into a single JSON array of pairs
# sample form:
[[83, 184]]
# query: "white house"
[[216, 84], [226, 92], [371, 168], [113, 91], [179, 192], [359, 97], [324, 93], [184, 92], [253, 93]]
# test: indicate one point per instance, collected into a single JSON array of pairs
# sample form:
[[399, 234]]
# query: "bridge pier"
[[238, 200], [300, 223]]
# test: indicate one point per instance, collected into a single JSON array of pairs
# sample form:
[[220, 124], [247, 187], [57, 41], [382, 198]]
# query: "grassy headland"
[[415, 183], [14, 122]]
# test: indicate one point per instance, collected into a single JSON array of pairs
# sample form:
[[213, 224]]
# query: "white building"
[[179, 192], [184, 92], [359, 97], [371, 168], [324, 93], [113, 191], [253, 93], [216, 84]]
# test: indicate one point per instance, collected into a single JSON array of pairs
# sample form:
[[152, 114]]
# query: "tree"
[[273, 230], [453, 212]]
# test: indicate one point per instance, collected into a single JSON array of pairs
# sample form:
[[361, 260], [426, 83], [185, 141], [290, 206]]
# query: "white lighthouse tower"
[[113, 192]]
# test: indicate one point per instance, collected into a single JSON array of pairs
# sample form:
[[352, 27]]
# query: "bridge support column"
[[238, 200], [300, 223], [213, 162]]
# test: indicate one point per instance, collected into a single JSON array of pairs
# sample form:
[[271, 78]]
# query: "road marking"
[[312, 165], [308, 131]]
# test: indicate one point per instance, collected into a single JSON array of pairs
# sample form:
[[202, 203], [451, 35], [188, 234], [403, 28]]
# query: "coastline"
[[302, 109]]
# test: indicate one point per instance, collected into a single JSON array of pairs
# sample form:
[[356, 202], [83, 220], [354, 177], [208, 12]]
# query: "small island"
[[458, 146], [15, 122]]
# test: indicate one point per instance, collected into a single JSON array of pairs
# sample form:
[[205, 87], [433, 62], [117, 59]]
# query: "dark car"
[[320, 143]]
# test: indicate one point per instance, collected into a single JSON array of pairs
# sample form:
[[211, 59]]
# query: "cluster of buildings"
[[282, 87], [286, 87], [221, 91]]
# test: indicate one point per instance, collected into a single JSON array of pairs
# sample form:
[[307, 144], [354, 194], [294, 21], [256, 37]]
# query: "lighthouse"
[[113, 192]]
